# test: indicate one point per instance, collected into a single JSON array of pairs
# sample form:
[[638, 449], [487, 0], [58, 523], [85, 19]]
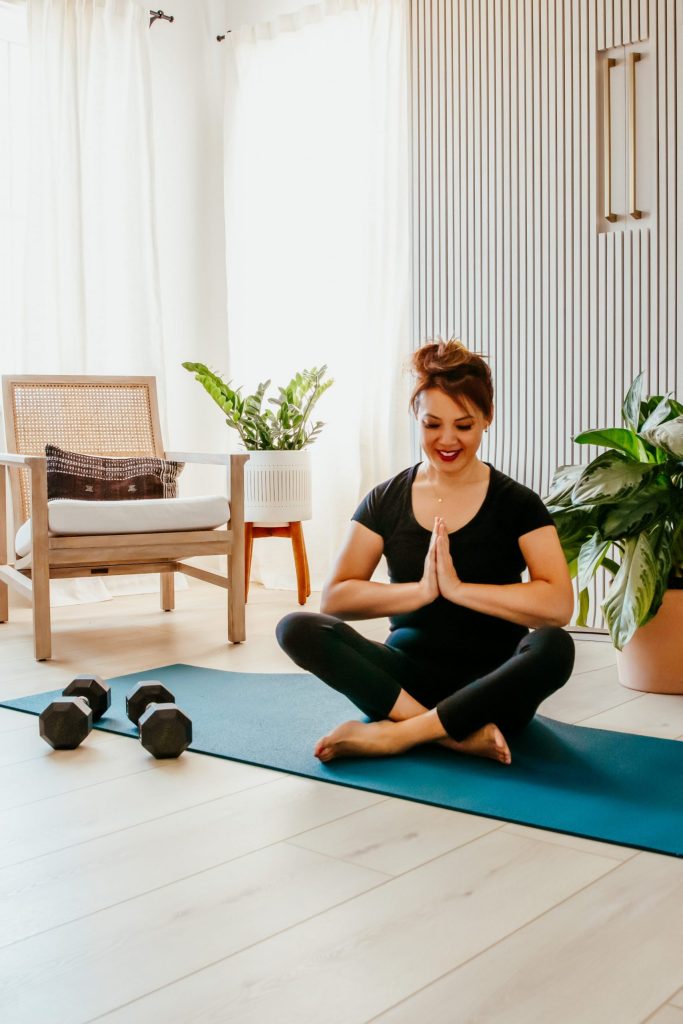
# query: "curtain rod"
[[154, 15]]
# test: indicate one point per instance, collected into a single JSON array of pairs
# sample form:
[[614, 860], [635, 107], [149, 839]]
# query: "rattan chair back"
[[116, 416]]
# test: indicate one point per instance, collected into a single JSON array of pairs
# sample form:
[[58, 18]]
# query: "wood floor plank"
[[650, 714], [600, 849], [20, 746], [677, 999], [587, 694], [622, 937], [666, 1015], [591, 655], [89, 966], [10, 721], [64, 771], [383, 945], [396, 835], [72, 818], [59, 887]]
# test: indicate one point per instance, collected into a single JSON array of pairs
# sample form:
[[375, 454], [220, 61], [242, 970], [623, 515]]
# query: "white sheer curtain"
[[13, 174], [89, 277], [92, 291], [317, 171]]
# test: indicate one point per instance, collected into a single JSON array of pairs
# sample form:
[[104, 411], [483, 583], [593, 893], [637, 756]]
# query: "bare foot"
[[485, 742], [360, 739]]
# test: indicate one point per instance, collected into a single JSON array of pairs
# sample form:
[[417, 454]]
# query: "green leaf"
[[631, 407], [618, 438], [610, 477], [584, 605], [590, 558], [628, 600]]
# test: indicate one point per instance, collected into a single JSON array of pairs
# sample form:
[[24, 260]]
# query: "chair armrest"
[[12, 459], [202, 458]]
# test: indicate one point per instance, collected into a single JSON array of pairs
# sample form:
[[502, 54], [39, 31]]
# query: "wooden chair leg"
[[167, 591], [237, 630], [42, 633], [4, 592], [40, 563], [248, 551], [300, 562]]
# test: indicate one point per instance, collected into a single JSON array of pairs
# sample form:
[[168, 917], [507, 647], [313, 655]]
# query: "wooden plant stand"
[[296, 535]]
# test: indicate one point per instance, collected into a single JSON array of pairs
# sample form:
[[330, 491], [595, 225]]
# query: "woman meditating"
[[460, 666]]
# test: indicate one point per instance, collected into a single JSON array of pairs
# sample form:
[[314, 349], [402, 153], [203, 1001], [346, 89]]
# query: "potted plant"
[[624, 512], [277, 477]]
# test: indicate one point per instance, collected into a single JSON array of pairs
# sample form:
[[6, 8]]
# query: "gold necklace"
[[438, 499]]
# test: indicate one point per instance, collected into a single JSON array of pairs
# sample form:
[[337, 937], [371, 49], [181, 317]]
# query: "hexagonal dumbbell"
[[66, 722], [95, 691], [165, 730], [144, 694]]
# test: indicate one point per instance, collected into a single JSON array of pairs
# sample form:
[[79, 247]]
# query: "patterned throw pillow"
[[98, 478]]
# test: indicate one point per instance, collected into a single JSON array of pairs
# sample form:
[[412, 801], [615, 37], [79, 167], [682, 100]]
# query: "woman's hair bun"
[[454, 369]]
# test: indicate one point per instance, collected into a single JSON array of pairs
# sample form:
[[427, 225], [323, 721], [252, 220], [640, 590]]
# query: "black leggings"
[[372, 674]]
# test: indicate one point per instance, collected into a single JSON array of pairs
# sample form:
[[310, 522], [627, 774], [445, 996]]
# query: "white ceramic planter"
[[277, 487], [652, 660]]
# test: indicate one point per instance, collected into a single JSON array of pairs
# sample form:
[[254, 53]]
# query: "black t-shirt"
[[485, 550]]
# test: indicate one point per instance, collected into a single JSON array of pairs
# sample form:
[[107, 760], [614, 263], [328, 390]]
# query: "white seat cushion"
[[67, 518]]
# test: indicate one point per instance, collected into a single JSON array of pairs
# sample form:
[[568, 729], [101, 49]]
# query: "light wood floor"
[[205, 890]]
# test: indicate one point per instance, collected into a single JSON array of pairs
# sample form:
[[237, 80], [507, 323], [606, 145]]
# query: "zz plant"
[[287, 427], [624, 511]]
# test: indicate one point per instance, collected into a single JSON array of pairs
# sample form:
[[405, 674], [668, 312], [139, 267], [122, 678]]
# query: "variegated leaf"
[[667, 436], [590, 557], [628, 600], [631, 407], [610, 477], [660, 414], [562, 484], [632, 515]]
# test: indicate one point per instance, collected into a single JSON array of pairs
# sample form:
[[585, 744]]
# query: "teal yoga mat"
[[610, 786]]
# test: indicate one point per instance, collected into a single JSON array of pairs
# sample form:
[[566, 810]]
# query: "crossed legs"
[[379, 679]]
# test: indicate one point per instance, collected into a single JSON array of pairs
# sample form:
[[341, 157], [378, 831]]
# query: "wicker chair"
[[110, 416]]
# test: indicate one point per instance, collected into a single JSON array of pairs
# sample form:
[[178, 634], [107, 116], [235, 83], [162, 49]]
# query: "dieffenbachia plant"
[[624, 511], [285, 429]]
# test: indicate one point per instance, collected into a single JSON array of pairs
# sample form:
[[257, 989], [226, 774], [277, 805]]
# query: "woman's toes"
[[320, 750]]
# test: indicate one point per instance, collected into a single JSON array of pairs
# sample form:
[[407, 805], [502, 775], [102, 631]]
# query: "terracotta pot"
[[653, 659]]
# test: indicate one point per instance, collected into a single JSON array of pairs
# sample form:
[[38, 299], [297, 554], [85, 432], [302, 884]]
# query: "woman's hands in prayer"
[[439, 575], [448, 580], [429, 584]]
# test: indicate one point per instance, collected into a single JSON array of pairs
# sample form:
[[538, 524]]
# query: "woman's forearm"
[[537, 603], [362, 599]]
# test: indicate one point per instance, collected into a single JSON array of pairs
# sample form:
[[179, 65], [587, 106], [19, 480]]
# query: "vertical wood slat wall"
[[507, 254]]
